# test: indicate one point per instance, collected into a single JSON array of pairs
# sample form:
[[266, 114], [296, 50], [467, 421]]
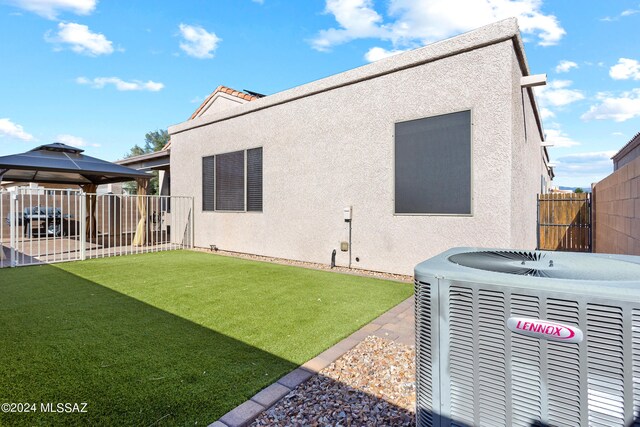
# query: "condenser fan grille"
[[512, 262], [555, 265]]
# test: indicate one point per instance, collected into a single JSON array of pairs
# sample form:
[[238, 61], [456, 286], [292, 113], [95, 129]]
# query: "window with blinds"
[[208, 187], [233, 181], [433, 165], [230, 181], [254, 180]]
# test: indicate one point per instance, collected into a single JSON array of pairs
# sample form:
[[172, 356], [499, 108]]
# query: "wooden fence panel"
[[564, 222]]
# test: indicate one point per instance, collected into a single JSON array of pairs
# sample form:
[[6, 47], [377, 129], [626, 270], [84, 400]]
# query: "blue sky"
[[100, 74]]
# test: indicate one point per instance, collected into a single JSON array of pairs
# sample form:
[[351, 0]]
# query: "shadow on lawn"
[[65, 339]]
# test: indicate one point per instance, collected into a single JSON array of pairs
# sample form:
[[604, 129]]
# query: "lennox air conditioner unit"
[[508, 338]]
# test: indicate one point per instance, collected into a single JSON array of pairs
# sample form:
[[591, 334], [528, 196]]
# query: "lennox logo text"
[[545, 329]]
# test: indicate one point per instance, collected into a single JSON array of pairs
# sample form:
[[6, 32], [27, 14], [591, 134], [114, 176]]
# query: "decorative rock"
[[373, 384]]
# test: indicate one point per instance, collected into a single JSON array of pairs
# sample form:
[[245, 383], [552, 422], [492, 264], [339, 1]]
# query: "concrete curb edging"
[[384, 326]]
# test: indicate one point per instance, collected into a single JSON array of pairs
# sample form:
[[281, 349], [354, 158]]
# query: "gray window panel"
[[208, 183], [254, 180], [230, 181], [433, 165]]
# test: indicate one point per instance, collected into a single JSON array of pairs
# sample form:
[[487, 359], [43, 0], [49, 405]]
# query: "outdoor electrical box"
[[347, 214], [344, 246]]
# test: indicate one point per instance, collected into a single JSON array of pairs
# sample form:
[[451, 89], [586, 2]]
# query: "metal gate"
[[564, 222], [41, 226]]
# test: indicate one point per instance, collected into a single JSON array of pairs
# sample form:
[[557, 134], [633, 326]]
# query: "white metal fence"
[[45, 226]]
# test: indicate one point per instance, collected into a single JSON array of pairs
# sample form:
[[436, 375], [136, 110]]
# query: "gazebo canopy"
[[61, 164]]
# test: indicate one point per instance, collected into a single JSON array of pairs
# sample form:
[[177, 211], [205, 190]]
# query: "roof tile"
[[226, 90]]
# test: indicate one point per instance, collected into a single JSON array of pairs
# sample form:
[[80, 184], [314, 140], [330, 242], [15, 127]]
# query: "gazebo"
[[62, 164]]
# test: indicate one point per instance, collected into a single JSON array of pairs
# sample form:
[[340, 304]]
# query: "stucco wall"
[[629, 157], [222, 102], [335, 149], [617, 211], [526, 160]]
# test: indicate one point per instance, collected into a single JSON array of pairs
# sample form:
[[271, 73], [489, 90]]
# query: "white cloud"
[[559, 139], [617, 134], [198, 42], [623, 14], [121, 85], [616, 108], [558, 94], [357, 19], [565, 66], [625, 69], [74, 141], [592, 166], [546, 113], [417, 22], [51, 8], [81, 39], [258, 1], [13, 130], [378, 53]]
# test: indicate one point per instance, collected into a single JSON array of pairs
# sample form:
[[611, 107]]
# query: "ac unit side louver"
[[528, 338]]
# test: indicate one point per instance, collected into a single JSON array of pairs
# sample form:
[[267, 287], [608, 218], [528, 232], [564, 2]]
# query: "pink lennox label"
[[545, 329]]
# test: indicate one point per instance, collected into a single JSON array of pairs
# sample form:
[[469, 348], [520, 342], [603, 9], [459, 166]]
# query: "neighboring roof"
[[228, 91], [150, 161], [498, 32], [547, 165], [61, 164], [633, 143], [244, 96]]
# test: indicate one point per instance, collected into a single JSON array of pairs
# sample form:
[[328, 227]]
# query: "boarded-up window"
[[207, 183], [433, 165], [230, 181], [254, 180]]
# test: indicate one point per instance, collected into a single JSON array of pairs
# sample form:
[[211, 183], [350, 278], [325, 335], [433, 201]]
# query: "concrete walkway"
[[397, 324]]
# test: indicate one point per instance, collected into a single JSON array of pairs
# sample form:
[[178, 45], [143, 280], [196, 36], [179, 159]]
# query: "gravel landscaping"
[[313, 265], [373, 384]]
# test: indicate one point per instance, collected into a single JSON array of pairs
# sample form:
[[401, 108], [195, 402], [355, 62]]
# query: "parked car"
[[36, 219]]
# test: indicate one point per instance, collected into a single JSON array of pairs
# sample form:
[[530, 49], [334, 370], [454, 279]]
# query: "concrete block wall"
[[616, 211]]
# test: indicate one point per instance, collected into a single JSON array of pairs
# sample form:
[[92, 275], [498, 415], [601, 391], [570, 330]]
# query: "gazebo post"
[[139, 239], [91, 199]]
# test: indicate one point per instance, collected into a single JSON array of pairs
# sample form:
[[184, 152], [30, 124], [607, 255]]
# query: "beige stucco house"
[[429, 149]]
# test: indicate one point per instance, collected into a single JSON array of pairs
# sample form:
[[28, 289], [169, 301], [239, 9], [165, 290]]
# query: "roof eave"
[[143, 157], [628, 147], [134, 175]]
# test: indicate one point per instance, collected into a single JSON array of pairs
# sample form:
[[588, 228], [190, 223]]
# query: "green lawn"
[[171, 338]]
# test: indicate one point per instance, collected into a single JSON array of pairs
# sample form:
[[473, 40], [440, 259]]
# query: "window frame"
[[471, 165], [215, 183]]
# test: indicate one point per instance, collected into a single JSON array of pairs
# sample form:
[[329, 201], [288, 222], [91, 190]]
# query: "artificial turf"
[[170, 338]]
